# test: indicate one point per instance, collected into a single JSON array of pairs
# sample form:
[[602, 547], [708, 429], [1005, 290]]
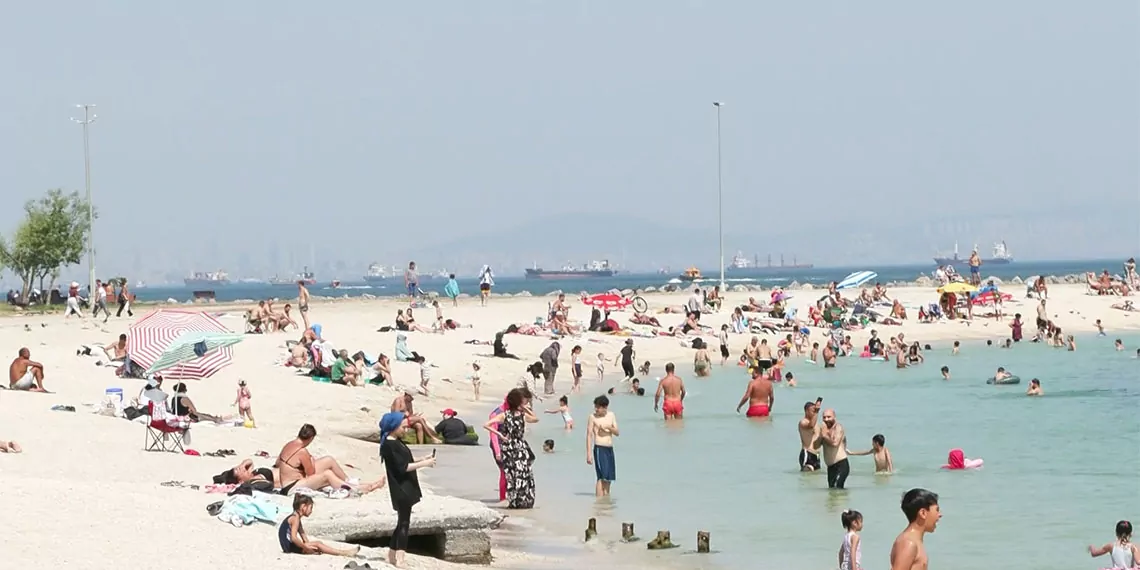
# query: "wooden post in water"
[[702, 541], [663, 541], [591, 528], [627, 532]]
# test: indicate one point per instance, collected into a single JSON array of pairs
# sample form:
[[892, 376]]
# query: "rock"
[[1017, 280], [650, 289], [591, 528], [702, 541], [1053, 280], [924, 281], [627, 534], [463, 296], [627, 292], [554, 293], [996, 280], [807, 287], [524, 294], [738, 288], [662, 541], [462, 526], [793, 285], [368, 296]]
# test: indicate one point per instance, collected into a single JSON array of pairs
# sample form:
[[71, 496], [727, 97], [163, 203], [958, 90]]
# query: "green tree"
[[52, 236]]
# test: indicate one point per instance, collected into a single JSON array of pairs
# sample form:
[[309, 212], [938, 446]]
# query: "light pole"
[[88, 118], [719, 195]]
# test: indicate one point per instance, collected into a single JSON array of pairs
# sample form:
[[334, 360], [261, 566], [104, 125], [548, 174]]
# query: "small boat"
[[335, 284], [691, 274]]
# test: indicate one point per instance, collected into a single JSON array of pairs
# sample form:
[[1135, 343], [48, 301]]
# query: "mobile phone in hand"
[[818, 401], [433, 453]]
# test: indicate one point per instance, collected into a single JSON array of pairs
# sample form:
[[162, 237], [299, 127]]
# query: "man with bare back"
[[303, 302], [673, 388], [922, 513], [403, 403], [26, 374], [809, 431], [758, 395]]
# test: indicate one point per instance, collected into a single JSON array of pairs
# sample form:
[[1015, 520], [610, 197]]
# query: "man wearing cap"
[[416, 422], [452, 429]]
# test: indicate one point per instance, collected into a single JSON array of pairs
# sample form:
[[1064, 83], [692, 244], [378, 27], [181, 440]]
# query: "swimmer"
[[1071, 343], [634, 388], [957, 346], [1099, 328], [673, 390], [901, 359], [884, 465], [922, 513], [1122, 552], [1119, 344], [548, 446], [814, 353], [791, 380], [1001, 374], [828, 357], [758, 395], [833, 439], [564, 409], [644, 368], [945, 372], [809, 428], [1034, 388]]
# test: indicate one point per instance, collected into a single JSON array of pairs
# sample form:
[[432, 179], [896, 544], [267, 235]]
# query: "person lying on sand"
[[10, 447], [115, 352], [645, 320], [296, 468], [26, 374]]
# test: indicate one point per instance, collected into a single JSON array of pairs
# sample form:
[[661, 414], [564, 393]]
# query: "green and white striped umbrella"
[[197, 354]]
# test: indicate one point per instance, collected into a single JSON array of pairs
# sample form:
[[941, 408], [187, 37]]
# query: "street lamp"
[[719, 195], [88, 118]]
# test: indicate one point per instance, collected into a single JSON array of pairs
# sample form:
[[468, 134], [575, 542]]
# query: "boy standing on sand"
[[922, 514]]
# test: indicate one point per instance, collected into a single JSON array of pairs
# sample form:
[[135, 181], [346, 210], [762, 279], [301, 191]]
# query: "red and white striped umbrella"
[[153, 334], [607, 301]]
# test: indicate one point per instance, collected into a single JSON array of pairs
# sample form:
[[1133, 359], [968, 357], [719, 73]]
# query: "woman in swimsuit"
[[297, 468], [701, 362]]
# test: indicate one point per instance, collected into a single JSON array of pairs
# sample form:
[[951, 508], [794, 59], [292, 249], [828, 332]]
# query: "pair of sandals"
[[180, 484], [354, 566], [220, 453]]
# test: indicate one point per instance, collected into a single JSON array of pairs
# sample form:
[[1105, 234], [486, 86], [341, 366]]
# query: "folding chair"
[[160, 435]]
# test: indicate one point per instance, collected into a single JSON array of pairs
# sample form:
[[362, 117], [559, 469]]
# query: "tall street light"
[[88, 118], [719, 195]]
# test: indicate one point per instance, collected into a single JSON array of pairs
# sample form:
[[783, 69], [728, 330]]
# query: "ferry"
[[376, 272], [568, 271], [741, 264], [690, 274], [305, 276]]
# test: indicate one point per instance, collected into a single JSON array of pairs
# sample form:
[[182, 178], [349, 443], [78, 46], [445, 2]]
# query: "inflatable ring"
[[1006, 380]]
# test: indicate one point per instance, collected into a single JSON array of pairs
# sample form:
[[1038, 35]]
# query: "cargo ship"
[[208, 279], [1000, 256], [305, 276], [376, 272], [741, 264], [568, 271]]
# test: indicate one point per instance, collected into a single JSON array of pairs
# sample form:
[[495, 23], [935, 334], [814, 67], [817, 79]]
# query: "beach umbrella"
[[957, 287], [151, 338], [607, 301], [197, 354], [856, 279]]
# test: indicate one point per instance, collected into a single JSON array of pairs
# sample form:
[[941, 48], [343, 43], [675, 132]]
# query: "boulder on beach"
[[1016, 280], [807, 287], [924, 281], [739, 288], [524, 294], [627, 292], [650, 289], [554, 293], [793, 285]]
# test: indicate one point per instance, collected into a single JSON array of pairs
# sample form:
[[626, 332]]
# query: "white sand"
[[85, 494]]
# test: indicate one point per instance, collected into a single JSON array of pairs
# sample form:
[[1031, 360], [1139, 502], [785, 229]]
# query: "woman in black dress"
[[518, 459], [403, 482]]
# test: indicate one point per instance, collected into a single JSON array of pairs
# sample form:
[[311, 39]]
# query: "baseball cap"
[[449, 412]]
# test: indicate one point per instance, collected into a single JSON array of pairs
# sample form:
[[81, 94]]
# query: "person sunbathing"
[[1125, 306], [865, 298], [417, 422], [10, 447], [26, 374], [560, 326], [643, 319], [753, 306], [182, 406], [298, 469], [879, 293], [898, 311], [244, 473], [410, 321], [259, 316]]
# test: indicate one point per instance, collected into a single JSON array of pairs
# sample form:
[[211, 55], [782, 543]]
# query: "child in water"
[[851, 552], [1122, 553], [790, 379], [1034, 388], [548, 446], [564, 409], [945, 372], [814, 353], [957, 346], [243, 405], [1099, 328], [601, 366], [884, 465]]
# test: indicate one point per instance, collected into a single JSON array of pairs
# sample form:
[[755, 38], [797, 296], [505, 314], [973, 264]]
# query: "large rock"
[[462, 526], [739, 288], [924, 281], [1016, 280], [650, 289], [627, 292], [554, 293], [524, 294]]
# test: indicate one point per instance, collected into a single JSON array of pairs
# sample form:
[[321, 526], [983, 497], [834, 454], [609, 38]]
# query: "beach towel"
[[240, 510], [451, 289]]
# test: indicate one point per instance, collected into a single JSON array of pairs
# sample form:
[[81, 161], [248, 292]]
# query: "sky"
[[258, 136]]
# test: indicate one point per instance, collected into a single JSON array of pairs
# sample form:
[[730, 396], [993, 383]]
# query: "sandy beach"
[[85, 494]]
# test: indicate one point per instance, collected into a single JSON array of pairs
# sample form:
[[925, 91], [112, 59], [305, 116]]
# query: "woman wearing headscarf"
[[403, 482], [517, 457], [549, 358]]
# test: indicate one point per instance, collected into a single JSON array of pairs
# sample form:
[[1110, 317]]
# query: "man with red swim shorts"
[[758, 395], [673, 389]]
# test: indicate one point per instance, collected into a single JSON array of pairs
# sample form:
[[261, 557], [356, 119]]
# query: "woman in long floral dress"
[[518, 459]]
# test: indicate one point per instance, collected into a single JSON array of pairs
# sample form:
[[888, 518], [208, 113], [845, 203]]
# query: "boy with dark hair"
[[922, 513], [291, 534]]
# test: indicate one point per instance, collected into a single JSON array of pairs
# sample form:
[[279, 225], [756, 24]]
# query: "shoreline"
[[125, 481]]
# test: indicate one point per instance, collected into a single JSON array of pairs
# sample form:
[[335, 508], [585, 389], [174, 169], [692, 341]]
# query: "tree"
[[53, 235]]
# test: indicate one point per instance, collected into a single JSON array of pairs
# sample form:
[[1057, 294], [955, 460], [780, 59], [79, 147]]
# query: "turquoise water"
[[1060, 470]]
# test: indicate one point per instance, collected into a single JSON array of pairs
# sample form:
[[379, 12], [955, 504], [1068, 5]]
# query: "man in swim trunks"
[[417, 422], [809, 431], [411, 281], [303, 302], [673, 389], [758, 395], [26, 374], [834, 442]]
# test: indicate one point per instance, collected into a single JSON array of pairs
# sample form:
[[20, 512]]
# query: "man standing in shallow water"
[[809, 431], [922, 514], [758, 395], [673, 388], [834, 442]]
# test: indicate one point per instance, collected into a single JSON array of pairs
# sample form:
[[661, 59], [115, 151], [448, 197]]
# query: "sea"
[[1059, 470], [514, 285]]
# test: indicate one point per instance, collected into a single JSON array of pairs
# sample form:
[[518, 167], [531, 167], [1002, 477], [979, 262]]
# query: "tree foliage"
[[52, 236]]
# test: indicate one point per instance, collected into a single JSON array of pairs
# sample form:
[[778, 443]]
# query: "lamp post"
[[719, 195], [88, 118]]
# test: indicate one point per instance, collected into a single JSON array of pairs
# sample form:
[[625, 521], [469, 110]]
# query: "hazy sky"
[[383, 130]]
